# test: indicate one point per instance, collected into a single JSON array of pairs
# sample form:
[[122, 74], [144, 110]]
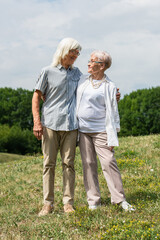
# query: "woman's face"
[[94, 65]]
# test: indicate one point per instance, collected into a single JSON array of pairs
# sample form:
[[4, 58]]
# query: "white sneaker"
[[94, 207], [127, 207]]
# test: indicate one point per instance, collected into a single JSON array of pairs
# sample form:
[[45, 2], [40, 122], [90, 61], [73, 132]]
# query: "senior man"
[[58, 125]]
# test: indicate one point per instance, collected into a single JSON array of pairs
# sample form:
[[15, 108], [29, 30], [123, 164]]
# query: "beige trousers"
[[52, 141], [92, 144]]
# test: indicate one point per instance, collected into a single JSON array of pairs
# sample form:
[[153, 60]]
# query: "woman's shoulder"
[[110, 82], [83, 78]]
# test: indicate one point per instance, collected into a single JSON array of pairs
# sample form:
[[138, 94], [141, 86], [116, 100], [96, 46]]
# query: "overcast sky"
[[129, 30]]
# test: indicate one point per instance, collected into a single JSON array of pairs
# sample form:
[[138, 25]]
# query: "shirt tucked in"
[[59, 86]]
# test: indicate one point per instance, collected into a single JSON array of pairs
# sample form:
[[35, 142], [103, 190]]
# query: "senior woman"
[[99, 123]]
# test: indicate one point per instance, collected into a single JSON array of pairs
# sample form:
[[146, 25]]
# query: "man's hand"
[[38, 130], [118, 95]]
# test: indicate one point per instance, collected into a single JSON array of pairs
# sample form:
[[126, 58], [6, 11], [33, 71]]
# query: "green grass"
[[7, 157], [21, 198]]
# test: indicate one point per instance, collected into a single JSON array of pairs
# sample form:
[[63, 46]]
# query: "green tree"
[[140, 112], [16, 122], [15, 107]]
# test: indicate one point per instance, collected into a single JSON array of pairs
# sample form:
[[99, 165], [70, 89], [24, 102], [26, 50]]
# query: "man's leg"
[[90, 174], [50, 147], [67, 151]]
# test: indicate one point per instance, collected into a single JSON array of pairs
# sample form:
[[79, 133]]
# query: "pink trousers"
[[91, 145]]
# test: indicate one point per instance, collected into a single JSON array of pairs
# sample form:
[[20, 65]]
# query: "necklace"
[[98, 84]]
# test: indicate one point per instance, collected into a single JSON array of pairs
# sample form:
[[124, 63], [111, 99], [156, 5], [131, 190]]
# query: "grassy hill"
[[21, 198], [7, 157]]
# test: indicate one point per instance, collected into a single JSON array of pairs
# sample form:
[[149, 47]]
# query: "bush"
[[140, 112], [15, 140]]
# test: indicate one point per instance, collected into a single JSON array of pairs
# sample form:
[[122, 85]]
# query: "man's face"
[[70, 58]]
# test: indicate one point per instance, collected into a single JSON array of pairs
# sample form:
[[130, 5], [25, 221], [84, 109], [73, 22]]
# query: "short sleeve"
[[42, 81]]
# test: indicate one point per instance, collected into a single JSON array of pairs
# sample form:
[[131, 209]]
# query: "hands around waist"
[[111, 148]]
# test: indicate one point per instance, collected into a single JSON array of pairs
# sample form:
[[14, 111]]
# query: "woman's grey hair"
[[104, 57], [63, 49]]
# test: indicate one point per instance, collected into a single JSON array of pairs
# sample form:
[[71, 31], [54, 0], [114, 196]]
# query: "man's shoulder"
[[45, 69], [76, 69], [49, 68]]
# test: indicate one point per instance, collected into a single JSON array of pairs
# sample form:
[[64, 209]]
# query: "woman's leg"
[[109, 168]]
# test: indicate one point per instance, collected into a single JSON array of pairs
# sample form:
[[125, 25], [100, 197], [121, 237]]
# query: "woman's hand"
[[111, 148], [118, 95], [43, 97]]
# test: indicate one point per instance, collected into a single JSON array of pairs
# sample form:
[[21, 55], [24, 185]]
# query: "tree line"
[[16, 122], [140, 112], [139, 115]]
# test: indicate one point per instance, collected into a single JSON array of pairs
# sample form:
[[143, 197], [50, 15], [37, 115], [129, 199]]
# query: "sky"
[[129, 30]]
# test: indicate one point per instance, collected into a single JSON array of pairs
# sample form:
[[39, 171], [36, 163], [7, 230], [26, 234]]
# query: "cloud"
[[127, 29]]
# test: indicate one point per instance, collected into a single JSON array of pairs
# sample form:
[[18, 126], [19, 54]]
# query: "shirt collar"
[[106, 77], [59, 66]]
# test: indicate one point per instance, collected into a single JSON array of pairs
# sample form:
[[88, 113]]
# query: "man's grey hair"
[[63, 49], [104, 57]]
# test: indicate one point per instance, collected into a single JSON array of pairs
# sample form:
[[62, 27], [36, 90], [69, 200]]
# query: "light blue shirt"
[[59, 86]]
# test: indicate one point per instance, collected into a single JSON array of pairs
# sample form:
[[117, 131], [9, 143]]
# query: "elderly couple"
[[92, 99]]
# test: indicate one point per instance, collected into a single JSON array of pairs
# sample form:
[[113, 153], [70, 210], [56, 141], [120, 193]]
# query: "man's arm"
[[37, 128]]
